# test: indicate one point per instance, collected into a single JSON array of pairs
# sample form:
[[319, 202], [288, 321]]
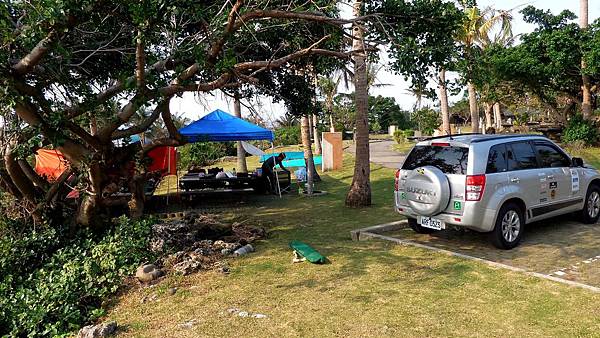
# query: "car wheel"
[[591, 208], [418, 228], [509, 227]]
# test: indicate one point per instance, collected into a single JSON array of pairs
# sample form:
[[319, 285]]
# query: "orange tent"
[[164, 159], [50, 163]]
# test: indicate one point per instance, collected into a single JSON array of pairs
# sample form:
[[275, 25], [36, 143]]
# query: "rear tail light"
[[396, 180], [440, 144], [474, 187]]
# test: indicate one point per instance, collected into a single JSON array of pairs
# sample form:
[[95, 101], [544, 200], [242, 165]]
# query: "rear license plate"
[[432, 223]]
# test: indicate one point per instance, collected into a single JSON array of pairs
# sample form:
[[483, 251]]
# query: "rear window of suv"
[[450, 160]]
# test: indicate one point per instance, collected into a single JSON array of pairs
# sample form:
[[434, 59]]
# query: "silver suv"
[[493, 183]]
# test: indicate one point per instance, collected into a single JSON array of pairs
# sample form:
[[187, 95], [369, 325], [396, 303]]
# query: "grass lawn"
[[370, 289]]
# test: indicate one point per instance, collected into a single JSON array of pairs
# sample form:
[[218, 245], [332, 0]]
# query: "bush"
[[204, 153], [579, 129], [285, 136], [401, 136], [427, 120], [51, 284]]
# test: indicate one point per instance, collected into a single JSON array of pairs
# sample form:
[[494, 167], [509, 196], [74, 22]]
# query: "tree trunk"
[[473, 107], [138, 199], [360, 190], [308, 155], [241, 153], [331, 125], [310, 129], [489, 109], [18, 177], [316, 135], [444, 108], [92, 198], [497, 116], [586, 103]]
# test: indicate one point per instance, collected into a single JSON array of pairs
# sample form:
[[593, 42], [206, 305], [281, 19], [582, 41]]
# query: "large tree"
[[74, 72], [360, 190], [586, 91]]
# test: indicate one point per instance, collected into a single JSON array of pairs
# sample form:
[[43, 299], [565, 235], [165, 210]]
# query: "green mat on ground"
[[308, 252]]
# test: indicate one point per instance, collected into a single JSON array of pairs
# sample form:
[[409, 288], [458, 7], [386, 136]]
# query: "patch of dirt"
[[199, 242]]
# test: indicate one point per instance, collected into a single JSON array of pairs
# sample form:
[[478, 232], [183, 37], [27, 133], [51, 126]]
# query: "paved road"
[[381, 153]]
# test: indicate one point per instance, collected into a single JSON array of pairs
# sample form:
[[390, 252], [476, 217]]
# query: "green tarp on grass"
[[308, 252]]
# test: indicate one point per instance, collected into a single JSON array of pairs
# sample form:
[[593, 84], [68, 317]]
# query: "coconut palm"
[[586, 103], [328, 87], [360, 190], [475, 32]]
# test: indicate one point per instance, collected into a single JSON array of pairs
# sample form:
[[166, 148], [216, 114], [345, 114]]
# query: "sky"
[[194, 106]]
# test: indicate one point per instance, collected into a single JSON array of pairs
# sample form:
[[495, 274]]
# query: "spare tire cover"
[[427, 190]]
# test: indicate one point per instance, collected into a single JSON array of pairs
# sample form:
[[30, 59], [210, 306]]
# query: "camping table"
[[195, 182]]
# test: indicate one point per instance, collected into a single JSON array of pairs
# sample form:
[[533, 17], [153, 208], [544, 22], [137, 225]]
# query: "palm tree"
[[444, 108], [586, 104], [329, 88], [360, 190], [241, 153], [476, 29]]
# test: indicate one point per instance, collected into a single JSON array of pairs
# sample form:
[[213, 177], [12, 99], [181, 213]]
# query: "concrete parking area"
[[560, 247]]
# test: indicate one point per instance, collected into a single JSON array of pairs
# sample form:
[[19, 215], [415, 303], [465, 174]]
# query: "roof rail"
[[427, 138], [500, 137]]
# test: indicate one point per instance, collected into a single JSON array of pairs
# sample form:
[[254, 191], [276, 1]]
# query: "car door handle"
[[515, 180]]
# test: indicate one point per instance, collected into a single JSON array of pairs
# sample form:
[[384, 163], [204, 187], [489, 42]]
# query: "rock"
[[188, 266], [259, 315], [188, 324], [243, 314], [100, 330], [233, 310], [172, 291], [147, 273]]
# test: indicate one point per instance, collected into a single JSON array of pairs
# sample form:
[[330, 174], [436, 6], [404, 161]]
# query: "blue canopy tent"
[[220, 126]]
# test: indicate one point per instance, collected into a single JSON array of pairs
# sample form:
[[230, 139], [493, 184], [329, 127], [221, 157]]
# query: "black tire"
[[586, 214], [498, 236], [412, 223]]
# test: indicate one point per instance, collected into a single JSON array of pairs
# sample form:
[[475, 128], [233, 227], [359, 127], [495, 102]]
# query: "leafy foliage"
[[204, 153], [52, 283], [289, 135], [421, 35], [384, 111], [581, 130], [426, 120]]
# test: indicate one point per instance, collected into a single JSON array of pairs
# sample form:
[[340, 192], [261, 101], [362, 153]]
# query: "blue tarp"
[[289, 155], [219, 126]]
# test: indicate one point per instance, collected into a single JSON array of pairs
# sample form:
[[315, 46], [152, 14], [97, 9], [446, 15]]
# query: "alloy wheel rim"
[[594, 204], [511, 226]]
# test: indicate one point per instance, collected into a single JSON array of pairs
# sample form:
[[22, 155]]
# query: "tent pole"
[[168, 174], [176, 171], [274, 169]]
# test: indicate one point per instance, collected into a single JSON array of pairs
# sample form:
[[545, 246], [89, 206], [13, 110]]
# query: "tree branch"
[[168, 120], [140, 62], [140, 128], [229, 29], [162, 142], [26, 64], [32, 175]]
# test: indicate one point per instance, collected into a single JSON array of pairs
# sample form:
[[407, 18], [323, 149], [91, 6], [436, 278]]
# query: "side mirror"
[[577, 162]]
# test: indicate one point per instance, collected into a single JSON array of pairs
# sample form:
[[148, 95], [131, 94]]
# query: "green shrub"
[[285, 136], [426, 120], [204, 153], [51, 283], [579, 129], [401, 136]]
